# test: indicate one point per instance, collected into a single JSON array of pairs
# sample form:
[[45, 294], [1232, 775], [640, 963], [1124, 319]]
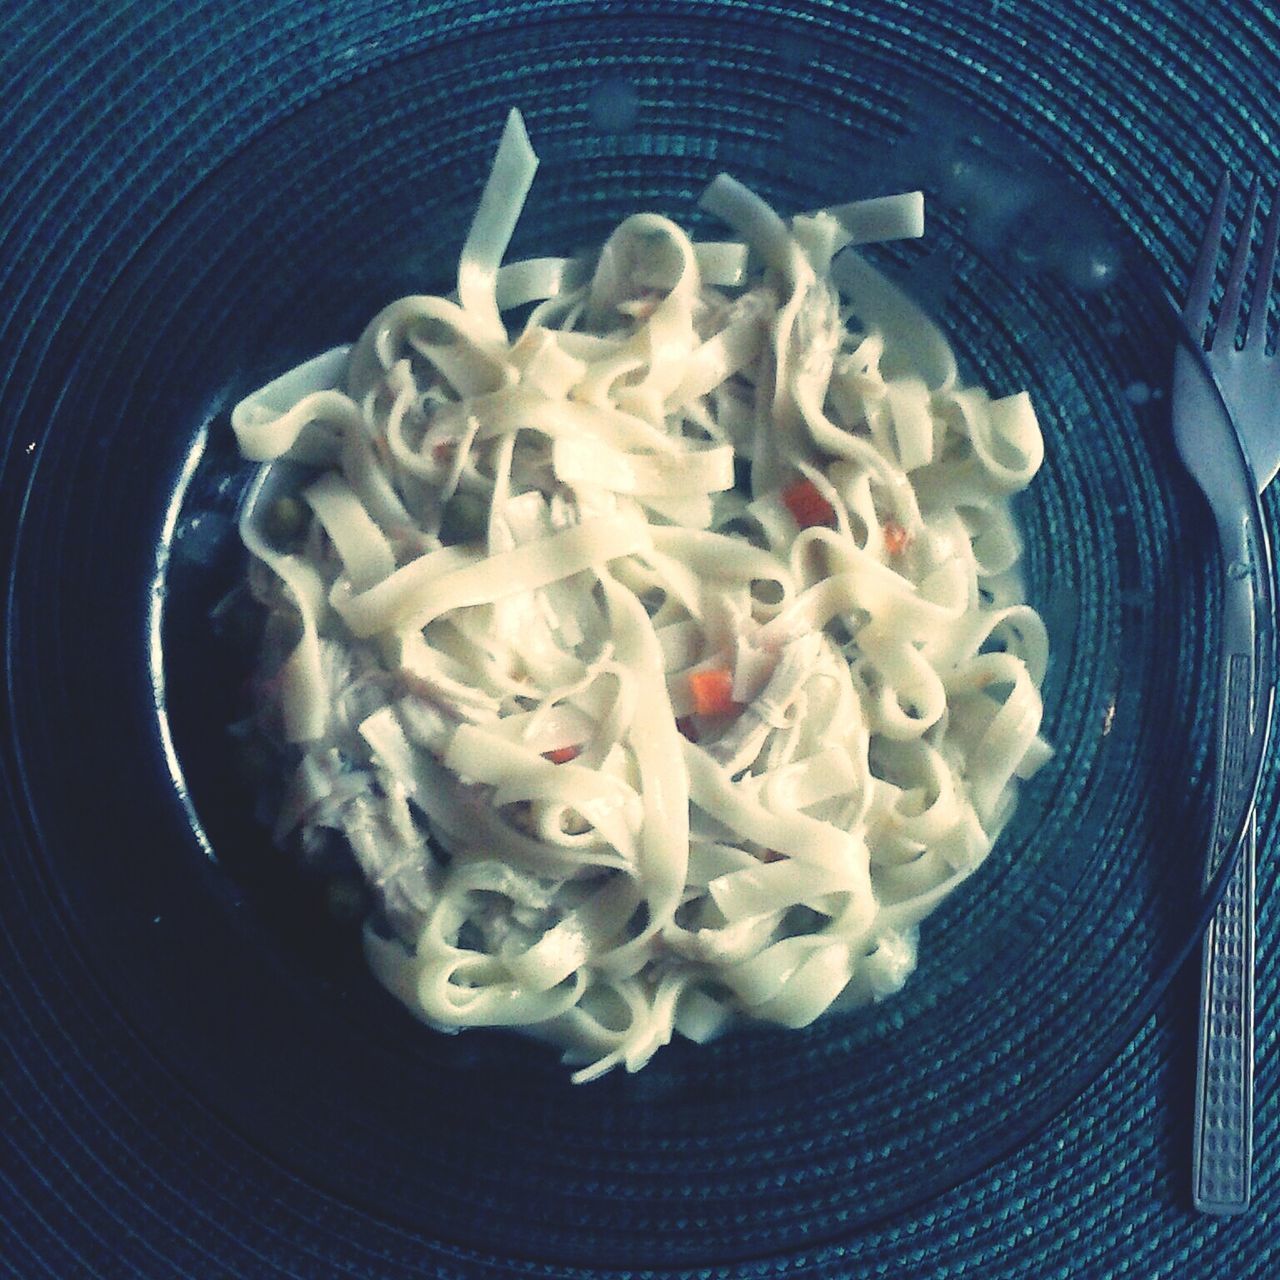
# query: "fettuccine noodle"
[[624, 742]]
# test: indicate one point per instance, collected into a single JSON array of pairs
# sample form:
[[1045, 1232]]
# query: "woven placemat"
[[112, 112]]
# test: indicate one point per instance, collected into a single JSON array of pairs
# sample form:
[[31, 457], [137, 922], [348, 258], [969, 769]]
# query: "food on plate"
[[647, 623]]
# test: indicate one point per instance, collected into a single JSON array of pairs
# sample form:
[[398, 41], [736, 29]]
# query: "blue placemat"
[[111, 112]]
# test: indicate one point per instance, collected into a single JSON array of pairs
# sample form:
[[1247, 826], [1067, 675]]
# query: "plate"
[[150, 885]]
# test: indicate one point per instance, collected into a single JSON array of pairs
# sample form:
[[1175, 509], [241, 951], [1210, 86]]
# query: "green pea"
[[465, 519], [286, 521]]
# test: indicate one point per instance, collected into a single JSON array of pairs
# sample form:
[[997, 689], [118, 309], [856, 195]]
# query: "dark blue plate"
[[145, 900]]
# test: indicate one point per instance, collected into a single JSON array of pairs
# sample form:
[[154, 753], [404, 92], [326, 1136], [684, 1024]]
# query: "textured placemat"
[[111, 113]]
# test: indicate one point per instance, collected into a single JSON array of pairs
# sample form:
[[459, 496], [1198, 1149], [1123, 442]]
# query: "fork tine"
[[1255, 337], [1229, 312], [1196, 310]]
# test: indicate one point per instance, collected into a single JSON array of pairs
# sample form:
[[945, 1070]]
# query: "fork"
[[1249, 382]]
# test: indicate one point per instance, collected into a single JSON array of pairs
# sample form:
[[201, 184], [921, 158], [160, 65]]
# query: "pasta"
[[662, 663]]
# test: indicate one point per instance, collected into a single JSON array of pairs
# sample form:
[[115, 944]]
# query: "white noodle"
[[529, 571]]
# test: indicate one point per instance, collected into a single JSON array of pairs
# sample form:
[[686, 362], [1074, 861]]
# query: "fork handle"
[[1223, 1145]]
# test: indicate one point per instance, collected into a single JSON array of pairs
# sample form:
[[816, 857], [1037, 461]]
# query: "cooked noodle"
[[621, 747]]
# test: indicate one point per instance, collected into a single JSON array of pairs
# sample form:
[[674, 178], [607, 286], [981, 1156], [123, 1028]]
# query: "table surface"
[[1104, 1191]]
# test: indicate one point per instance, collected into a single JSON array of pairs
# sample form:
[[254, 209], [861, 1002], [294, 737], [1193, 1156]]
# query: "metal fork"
[[1249, 381]]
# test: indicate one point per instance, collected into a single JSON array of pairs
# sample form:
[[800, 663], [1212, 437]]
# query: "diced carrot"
[[712, 691], [562, 755], [770, 855], [807, 505], [895, 538], [687, 726]]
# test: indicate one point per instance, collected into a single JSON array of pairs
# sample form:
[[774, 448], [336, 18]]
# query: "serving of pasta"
[[663, 658]]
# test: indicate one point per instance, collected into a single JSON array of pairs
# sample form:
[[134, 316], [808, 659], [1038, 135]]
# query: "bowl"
[[163, 886]]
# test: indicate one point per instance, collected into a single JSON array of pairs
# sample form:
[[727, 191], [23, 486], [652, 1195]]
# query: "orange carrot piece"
[[562, 755], [712, 691], [807, 505]]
